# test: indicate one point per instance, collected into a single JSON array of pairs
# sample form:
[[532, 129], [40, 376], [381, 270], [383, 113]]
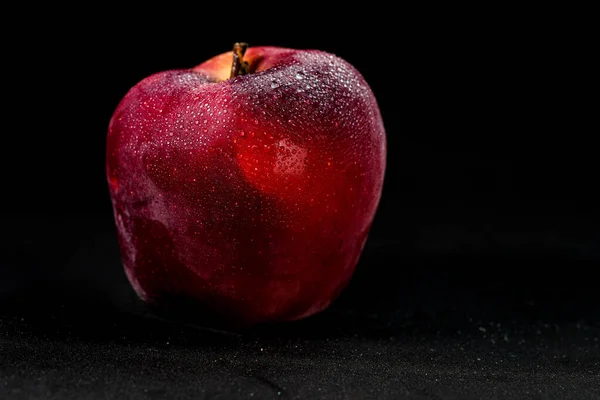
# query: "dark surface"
[[479, 279], [420, 327]]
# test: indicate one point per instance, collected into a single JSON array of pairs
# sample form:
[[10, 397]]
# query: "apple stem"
[[238, 65]]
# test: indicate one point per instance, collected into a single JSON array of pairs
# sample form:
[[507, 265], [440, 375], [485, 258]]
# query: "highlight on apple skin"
[[245, 187]]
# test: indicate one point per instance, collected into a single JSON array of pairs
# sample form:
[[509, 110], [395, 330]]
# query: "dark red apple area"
[[249, 194]]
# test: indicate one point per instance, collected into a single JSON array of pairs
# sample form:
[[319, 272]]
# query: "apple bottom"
[[236, 297]]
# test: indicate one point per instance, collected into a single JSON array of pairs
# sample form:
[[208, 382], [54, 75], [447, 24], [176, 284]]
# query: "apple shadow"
[[395, 294]]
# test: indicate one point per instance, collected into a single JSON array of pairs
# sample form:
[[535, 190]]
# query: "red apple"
[[246, 185]]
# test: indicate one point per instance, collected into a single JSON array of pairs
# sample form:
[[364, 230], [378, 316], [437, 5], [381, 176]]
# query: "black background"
[[479, 278]]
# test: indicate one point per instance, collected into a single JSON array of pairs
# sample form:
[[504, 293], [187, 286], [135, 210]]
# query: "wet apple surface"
[[252, 195]]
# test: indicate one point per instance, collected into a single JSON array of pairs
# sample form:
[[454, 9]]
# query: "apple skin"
[[248, 198]]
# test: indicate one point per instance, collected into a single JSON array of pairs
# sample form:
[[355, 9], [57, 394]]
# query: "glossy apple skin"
[[250, 197]]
